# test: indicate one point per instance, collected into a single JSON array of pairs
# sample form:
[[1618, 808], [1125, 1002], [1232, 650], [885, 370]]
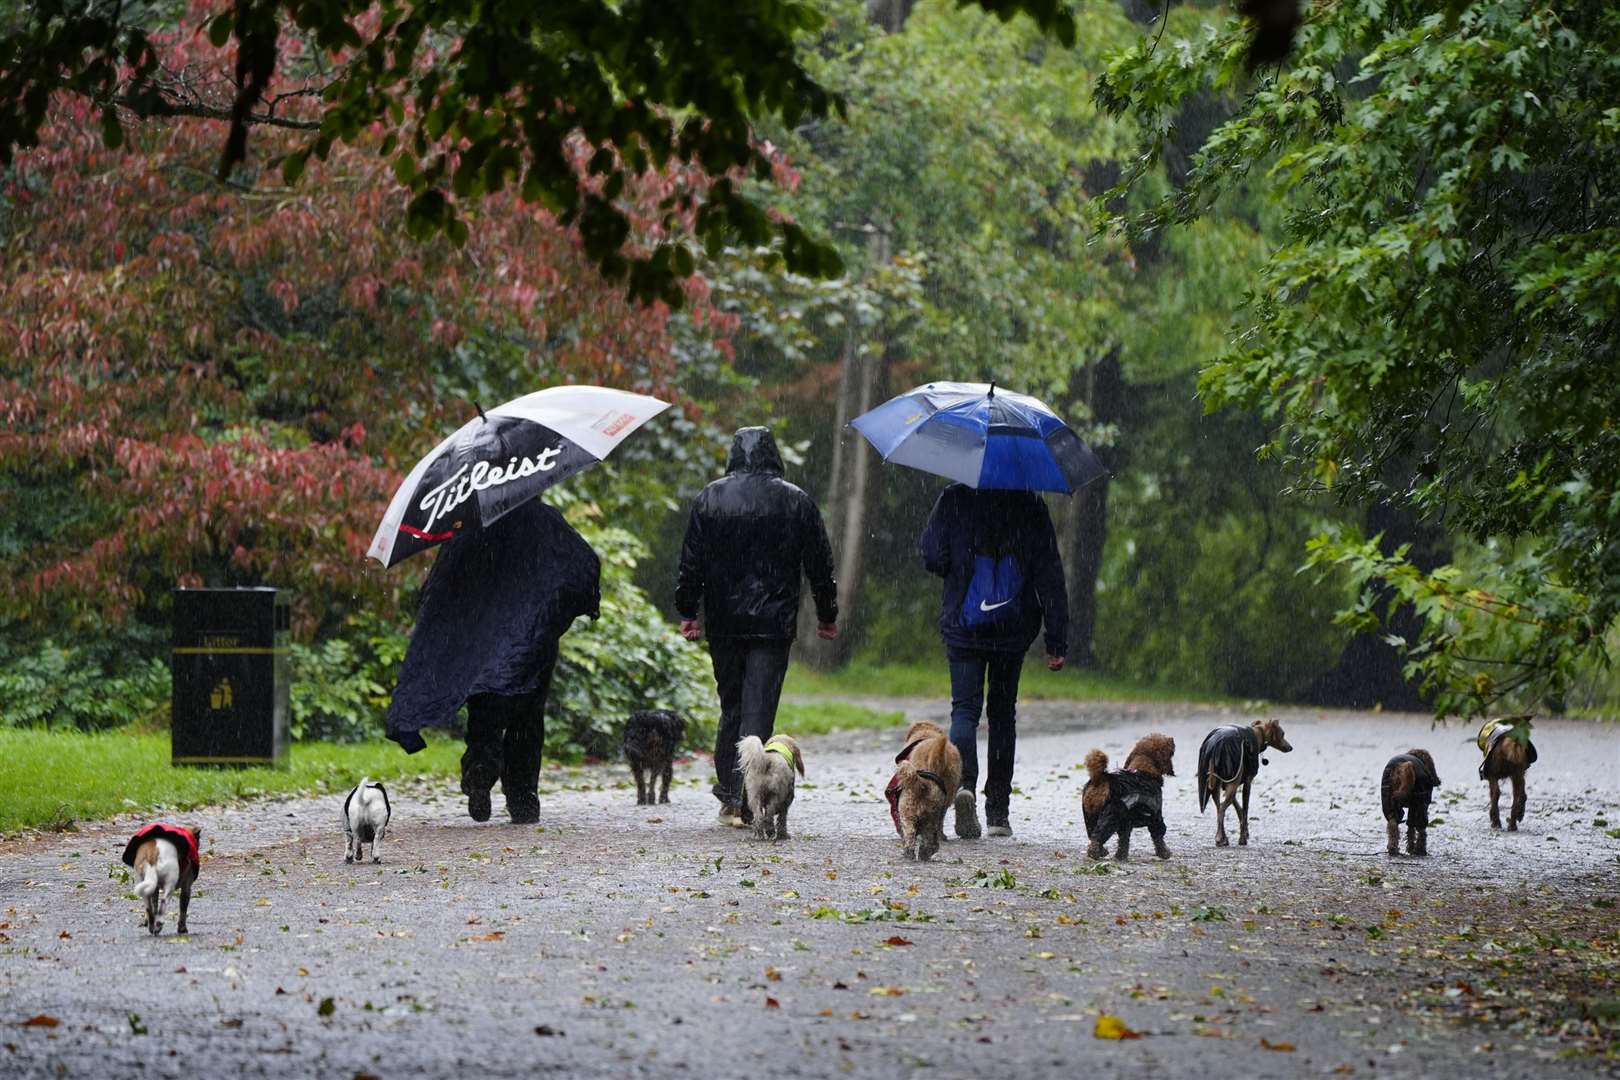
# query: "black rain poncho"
[[1135, 800], [1233, 751], [494, 605], [749, 538]]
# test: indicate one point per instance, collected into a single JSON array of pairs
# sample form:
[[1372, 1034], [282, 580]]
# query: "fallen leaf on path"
[[326, 1008], [772, 1003], [42, 1020], [546, 1030], [1269, 1045], [493, 935], [65, 936], [897, 940], [886, 991], [772, 974], [1112, 1027]]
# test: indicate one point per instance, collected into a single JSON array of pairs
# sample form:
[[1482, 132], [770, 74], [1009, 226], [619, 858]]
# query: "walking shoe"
[[997, 824], [967, 816], [730, 815], [524, 808]]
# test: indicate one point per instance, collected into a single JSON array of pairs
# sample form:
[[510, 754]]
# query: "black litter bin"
[[230, 677]]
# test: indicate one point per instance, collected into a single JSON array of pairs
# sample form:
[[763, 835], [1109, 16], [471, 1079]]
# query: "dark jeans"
[[505, 735], [970, 673], [749, 673]]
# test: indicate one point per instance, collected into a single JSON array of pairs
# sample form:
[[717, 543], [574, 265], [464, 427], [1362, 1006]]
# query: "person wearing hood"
[[750, 537], [494, 607], [1003, 575]]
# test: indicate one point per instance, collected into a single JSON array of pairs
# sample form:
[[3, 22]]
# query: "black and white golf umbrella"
[[502, 459]]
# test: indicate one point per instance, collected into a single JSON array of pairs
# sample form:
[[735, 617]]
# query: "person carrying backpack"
[[1003, 575]]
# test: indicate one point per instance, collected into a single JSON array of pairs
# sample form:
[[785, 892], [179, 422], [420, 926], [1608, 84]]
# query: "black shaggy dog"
[[1408, 785], [651, 740]]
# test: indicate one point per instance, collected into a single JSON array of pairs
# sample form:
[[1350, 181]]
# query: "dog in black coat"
[[652, 738], [1408, 785], [1117, 802]]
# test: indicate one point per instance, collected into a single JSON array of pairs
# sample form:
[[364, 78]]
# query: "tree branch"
[[148, 107]]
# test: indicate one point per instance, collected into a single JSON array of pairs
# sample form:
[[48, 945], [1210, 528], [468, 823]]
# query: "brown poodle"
[[922, 788], [1120, 801], [1408, 784]]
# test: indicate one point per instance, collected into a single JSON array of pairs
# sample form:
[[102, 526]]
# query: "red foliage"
[[225, 384]]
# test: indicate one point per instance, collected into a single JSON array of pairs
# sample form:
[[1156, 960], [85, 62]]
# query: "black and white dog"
[[365, 820]]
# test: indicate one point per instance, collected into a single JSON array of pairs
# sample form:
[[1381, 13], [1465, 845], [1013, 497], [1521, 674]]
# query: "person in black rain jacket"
[[750, 537], [1003, 575], [492, 611]]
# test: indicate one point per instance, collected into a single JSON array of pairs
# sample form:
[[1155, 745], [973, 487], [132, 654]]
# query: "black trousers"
[[749, 675], [505, 736], [971, 673]]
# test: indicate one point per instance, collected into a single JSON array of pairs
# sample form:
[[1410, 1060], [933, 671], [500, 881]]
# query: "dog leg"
[[1516, 814], [376, 846], [1392, 827], [161, 899], [641, 784], [185, 905], [1223, 799], [1122, 851], [1496, 796], [152, 926], [669, 774], [1243, 819], [928, 833], [1156, 831]]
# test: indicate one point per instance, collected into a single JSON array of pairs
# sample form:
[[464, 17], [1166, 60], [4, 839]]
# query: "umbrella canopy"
[[502, 459], [980, 436]]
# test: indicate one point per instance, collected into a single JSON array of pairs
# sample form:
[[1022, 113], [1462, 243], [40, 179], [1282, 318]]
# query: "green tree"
[[1437, 333], [468, 98]]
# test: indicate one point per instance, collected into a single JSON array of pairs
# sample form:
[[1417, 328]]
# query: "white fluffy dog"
[[768, 770], [365, 819]]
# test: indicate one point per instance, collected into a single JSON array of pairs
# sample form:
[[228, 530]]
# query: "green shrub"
[[57, 686]]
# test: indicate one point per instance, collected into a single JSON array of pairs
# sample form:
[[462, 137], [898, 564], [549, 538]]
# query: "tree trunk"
[[847, 498], [891, 15], [1369, 671], [1086, 521]]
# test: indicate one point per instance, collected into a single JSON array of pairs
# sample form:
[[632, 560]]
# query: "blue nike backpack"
[[995, 591]]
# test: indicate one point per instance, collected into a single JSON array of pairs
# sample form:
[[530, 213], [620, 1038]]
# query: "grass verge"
[[819, 717], [934, 680], [49, 779]]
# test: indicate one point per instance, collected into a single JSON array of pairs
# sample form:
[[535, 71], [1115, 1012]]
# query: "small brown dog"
[[922, 788], [1118, 802], [1228, 761], [1408, 785], [165, 859], [1508, 753]]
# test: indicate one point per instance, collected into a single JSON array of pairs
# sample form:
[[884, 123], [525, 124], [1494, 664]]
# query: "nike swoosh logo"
[[991, 607]]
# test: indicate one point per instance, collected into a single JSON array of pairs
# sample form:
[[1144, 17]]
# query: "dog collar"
[[777, 746]]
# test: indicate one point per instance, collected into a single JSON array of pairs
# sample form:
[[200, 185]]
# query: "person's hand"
[[826, 631], [691, 629], [1054, 663]]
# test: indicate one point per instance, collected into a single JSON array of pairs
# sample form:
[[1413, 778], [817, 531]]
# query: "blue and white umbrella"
[[980, 436]]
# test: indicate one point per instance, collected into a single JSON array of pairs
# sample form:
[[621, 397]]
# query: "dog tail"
[[1096, 765], [148, 883], [751, 755]]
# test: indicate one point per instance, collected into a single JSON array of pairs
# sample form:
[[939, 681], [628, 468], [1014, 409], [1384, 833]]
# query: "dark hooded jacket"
[[494, 605], [965, 524], [750, 536]]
